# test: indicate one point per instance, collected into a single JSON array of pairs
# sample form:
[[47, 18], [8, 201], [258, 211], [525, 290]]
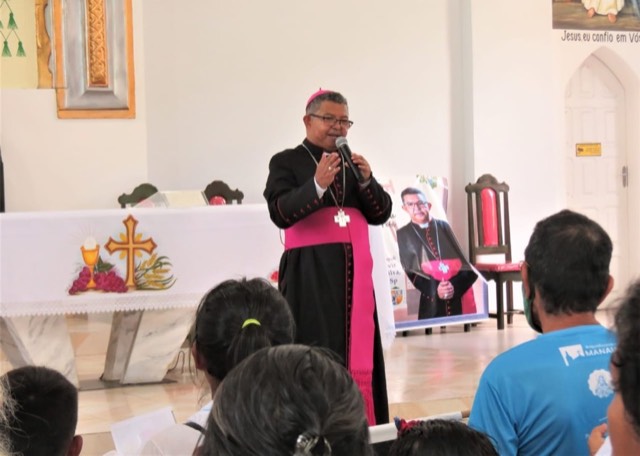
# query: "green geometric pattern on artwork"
[[11, 33], [12, 23]]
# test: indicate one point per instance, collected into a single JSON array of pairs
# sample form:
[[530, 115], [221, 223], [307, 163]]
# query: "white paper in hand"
[[131, 434]]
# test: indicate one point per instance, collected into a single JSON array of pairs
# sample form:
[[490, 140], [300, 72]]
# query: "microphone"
[[345, 152]]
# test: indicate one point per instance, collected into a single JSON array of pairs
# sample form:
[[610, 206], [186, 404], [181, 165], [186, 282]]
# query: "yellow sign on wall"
[[589, 150]]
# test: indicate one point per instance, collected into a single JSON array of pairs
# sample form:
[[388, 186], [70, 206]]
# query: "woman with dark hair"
[[622, 430], [233, 320], [440, 438], [288, 400]]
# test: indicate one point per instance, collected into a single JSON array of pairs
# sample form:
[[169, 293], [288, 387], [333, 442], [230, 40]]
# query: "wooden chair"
[[218, 192], [490, 240], [141, 192]]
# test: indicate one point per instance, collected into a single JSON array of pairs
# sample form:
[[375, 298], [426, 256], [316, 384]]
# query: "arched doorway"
[[597, 156]]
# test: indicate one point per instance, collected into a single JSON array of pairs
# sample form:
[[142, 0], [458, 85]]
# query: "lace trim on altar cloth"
[[131, 301]]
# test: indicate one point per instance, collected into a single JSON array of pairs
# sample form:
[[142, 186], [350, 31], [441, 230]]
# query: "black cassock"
[[418, 245], [316, 280]]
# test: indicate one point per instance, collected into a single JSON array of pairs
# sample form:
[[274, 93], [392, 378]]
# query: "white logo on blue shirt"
[[571, 351], [600, 383]]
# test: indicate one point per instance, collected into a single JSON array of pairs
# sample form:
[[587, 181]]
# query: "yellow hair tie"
[[250, 321]]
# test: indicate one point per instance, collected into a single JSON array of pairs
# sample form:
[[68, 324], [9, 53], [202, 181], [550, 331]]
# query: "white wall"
[[227, 85], [53, 164], [624, 60], [455, 88], [521, 68], [514, 112]]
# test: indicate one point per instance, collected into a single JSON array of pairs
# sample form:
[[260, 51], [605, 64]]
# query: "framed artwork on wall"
[[607, 15], [94, 71]]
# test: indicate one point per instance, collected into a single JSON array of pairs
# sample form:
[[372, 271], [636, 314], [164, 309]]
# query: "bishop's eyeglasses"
[[330, 121], [419, 204]]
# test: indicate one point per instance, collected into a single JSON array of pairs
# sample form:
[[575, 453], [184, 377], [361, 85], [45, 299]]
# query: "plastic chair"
[[141, 192], [218, 192], [490, 240]]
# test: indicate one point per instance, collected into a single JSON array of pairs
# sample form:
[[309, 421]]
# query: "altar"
[[149, 266]]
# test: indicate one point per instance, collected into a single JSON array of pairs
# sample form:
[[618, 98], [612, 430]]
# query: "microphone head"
[[341, 141]]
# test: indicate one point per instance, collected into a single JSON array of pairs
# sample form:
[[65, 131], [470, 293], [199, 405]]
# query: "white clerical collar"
[[424, 225]]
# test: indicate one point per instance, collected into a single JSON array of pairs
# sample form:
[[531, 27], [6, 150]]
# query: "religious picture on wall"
[[595, 15], [18, 63], [432, 282]]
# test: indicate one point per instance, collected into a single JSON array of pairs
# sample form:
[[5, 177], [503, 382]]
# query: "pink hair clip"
[[403, 426]]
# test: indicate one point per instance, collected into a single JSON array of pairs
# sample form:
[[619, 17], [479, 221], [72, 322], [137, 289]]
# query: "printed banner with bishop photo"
[[432, 282]]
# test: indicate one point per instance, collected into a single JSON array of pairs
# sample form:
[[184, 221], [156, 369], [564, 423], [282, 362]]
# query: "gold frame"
[[43, 44], [92, 91]]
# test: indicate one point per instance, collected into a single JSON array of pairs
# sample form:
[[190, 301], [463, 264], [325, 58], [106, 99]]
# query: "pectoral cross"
[[341, 219]]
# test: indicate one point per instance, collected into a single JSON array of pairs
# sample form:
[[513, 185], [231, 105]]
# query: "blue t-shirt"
[[544, 397]]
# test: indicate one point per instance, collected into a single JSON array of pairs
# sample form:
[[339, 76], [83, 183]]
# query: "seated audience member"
[[544, 396], [233, 320], [623, 426], [440, 438], [45, 413], [288, 400]]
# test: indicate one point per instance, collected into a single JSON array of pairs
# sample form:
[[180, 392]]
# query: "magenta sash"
[[320, 228]]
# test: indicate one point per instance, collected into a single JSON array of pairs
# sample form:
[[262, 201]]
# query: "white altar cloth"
[[40, 255]]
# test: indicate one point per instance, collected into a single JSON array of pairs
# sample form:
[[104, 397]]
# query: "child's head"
[[45, 413], [235, 319], [440, 438], [291, 399]]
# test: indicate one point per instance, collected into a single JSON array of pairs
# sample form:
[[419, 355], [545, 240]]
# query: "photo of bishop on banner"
[[432, 282]]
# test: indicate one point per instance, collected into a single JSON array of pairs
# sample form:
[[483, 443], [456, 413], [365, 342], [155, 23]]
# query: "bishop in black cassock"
[[307, 187]]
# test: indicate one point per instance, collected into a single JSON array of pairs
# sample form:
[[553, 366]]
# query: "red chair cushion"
[[499, 267], [217, 201], [489, 217]]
